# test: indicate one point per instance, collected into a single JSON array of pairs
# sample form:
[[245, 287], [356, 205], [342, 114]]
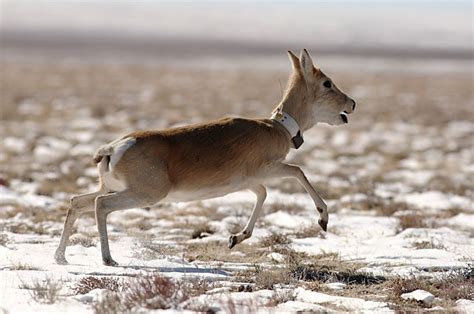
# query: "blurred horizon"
[[151, 30]]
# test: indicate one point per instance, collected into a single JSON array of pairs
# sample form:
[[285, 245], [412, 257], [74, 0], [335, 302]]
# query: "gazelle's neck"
[[294, 103]]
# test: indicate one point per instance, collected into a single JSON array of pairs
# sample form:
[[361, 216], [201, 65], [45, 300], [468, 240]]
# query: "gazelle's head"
[[320, 99]]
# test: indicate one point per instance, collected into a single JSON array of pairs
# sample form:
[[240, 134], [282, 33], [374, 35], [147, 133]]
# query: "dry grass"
[[3, 239], [89, 283], [44, 291], [202, 231], [151, 292], [219, 251], [148, 250], [313, 231], [148, 291], [26, 227], [271, 278], [413, 220], [448, 288], [329, 267], [274, 239], [259, 277], [370, 292], [193, 228], [82, 239], [446, 184], [39, 215], [23, 266], [335, 273], [300, 269], [313, 271], [421, 245], [281, 297]]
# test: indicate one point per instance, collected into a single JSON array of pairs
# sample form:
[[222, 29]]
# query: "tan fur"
[[210, 154], [210, 159]]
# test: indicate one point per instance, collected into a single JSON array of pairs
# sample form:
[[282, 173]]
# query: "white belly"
[[189, 195], [196, 195]]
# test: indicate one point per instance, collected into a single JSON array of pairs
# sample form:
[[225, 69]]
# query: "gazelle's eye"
[[327, 84]]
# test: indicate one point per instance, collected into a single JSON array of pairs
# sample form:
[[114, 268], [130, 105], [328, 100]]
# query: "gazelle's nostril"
[[353, 105]]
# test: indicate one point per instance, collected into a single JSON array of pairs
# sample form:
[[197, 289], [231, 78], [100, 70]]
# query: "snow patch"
[[420, 296], [352, 304], [436, 200]]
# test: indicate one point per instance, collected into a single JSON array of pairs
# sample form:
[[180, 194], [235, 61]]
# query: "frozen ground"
[[397, 180]]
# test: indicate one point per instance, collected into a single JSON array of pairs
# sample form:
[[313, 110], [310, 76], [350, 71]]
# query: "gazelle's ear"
[[295, 62], [306, 63]]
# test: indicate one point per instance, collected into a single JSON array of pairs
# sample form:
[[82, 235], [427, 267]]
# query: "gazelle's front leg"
[[261, 194], [285, 170]]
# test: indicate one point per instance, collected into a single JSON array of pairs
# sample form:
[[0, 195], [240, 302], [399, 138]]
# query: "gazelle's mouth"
[[344, 117]]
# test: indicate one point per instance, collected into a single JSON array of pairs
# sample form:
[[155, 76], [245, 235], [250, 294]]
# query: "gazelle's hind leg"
[[126, 199], [79, 204], [261, 194]]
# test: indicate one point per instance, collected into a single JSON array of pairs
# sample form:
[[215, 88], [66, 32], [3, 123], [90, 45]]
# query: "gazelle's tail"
[[103, 151]]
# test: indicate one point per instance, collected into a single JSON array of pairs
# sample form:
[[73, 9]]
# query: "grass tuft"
[[448, 288], [24, 266], [44, 291], [274, 239], [151, 292], [202, 231], [3, 239], [89, 283], [411, 221]]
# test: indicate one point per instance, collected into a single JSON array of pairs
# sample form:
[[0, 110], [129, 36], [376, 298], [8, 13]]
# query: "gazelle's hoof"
[[60, 259], [323, 224], [232, 241], [109, 262]]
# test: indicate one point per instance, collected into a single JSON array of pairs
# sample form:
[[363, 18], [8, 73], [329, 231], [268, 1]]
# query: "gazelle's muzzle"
[[350, 107]]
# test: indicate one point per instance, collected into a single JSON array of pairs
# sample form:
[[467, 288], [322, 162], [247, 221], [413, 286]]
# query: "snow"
[[299, 306], [9, 197], [358, 197], [92, 296], [15, 144], [286, 220], [462, 220], [51, 150], [336, 285], [435, 200], [379, 245], [346, 303], [420, 296], [277, 257], [466, 306], [353, 235]]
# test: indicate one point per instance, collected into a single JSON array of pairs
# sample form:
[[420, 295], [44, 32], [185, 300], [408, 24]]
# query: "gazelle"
[[212, 159]]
